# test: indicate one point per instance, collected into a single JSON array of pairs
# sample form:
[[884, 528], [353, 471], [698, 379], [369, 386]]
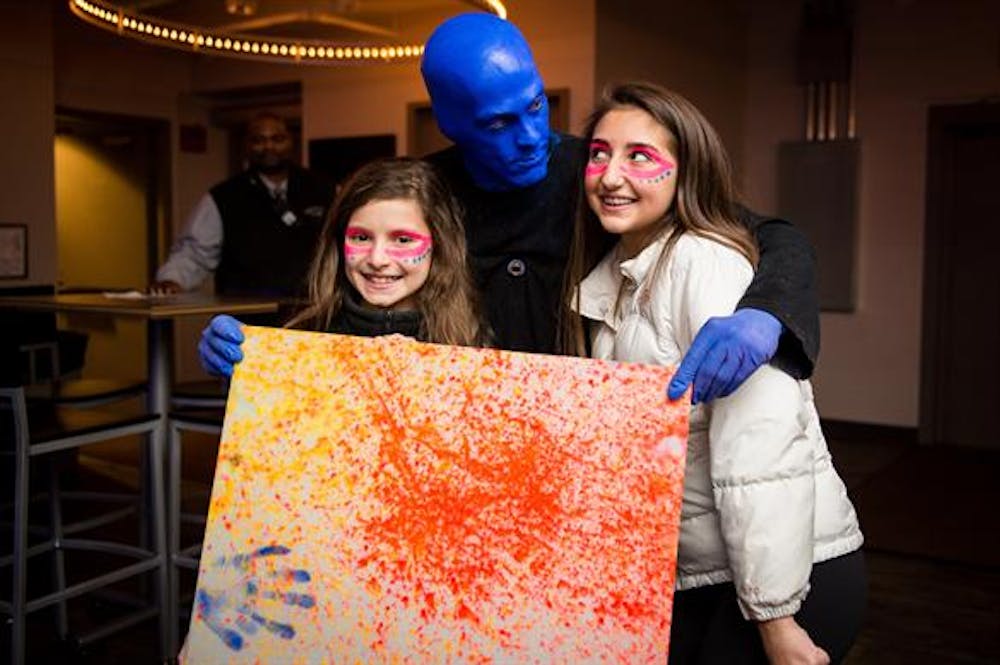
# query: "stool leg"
[[56, 540], [146, 461], [173, 534], [159, 520], [20, 565]]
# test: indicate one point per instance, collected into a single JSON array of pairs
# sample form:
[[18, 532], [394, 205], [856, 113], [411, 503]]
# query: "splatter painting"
[[387, 501]]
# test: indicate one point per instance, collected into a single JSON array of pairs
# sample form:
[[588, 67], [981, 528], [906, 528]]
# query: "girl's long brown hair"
[[448, 301], [705, 203]]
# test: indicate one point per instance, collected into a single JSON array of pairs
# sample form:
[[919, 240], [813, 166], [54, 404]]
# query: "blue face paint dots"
[[489, 99]]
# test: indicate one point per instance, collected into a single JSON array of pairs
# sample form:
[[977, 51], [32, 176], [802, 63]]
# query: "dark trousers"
[[707, 626]]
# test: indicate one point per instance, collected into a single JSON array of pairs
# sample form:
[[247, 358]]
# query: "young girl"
[[769, 566], [391, 260]]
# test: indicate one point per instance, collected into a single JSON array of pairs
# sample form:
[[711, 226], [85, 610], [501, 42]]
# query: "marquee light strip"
[[216, 42]]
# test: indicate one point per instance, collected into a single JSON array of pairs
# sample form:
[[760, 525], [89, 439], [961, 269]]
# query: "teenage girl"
[[769, 565], [391, 260]]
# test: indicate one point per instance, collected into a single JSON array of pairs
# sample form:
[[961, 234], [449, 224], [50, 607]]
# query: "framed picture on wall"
[[13, 251]]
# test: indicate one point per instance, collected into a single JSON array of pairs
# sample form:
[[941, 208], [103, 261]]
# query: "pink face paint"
[[647, 174], [357, 244], [597, 168], [409, 246], [405, 246]]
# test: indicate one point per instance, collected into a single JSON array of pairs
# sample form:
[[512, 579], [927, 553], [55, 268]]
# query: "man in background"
[[257, 231]]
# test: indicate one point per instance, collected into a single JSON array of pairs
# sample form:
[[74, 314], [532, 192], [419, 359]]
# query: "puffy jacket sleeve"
[[764, 489], [761, 461]]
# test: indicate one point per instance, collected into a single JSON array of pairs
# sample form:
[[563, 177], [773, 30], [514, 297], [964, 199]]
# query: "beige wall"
[[695, 48], [100, 221], [910, 55], [26, 76], [101, 207]]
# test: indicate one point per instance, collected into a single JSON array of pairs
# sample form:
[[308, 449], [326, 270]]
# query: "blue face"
[[490, 100], [504, 136]]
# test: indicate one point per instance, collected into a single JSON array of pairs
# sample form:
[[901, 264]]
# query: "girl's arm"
[[787, 643], [761, 460]]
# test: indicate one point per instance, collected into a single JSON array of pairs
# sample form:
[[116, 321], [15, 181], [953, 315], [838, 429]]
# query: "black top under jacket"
[[353, 319]]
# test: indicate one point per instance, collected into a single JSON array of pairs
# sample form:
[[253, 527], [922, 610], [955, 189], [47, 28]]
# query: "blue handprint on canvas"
[[234, 612]]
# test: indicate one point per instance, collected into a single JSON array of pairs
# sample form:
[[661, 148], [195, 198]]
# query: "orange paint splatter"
[[454, 504]]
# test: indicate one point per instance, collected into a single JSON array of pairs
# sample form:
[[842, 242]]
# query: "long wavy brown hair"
[[448, 301], [705, 203]]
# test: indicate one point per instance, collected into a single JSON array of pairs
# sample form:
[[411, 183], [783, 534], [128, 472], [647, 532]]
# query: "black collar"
[[354, 319]]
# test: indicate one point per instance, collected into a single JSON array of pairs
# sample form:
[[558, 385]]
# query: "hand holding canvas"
[[219, 348]]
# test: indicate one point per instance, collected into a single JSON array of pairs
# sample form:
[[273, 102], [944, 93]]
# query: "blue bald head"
[[489, 99]]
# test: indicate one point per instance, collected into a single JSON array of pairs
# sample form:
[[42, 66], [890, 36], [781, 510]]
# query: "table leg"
[[160, 350]]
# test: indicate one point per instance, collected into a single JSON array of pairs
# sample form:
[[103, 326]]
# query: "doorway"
[[112, 205], [961, 321]]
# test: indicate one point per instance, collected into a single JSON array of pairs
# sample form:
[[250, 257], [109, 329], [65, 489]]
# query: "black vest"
[[262, 253]]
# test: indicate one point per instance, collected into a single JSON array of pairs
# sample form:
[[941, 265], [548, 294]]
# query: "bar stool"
[[46, 383], [181, 556], [34, 434]]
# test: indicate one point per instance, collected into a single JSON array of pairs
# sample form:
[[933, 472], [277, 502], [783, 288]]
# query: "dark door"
[[960, 391]]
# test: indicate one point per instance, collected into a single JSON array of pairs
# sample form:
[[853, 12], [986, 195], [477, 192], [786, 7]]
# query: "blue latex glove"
[[724, 353], [219, 348]]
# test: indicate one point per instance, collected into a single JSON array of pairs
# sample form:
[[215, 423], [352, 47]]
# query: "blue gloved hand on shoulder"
[[219, 348], [724, 353]]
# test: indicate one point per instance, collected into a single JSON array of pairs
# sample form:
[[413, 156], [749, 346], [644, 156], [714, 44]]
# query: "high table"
[[159, 313]]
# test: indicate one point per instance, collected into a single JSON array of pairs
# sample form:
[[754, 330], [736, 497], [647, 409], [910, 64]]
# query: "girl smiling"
[[392, 259], [769, 566]]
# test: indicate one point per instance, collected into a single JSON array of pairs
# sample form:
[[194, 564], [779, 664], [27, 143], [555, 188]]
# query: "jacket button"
[[516, 267]]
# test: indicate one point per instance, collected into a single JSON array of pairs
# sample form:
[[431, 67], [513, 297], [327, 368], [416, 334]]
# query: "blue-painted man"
[[519, 182]]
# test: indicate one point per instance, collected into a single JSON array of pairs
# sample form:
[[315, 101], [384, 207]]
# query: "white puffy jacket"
[[762, 501]]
